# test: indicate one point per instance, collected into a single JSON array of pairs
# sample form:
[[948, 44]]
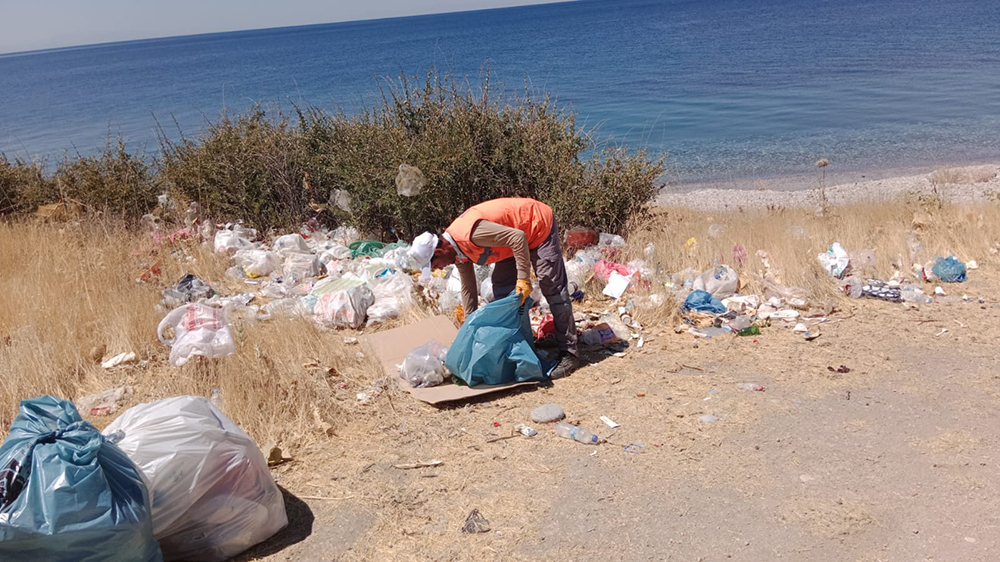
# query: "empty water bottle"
[[575, 433]]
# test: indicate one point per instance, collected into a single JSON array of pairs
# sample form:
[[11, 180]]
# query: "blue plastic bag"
[[703, 301], [495, 346], [949, 270], [68, 495]]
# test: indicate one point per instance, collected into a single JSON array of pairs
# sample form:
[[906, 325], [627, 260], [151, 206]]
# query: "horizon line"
[[252, 29]]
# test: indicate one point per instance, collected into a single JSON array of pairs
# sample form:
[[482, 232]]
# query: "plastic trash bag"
[[226, 240], [366, 248], [949, 270], [703, 301], [393, 294], [835, 260], [424, 366], [212, 493], [290, 243], [495, 345], [198, 330], [301, 266], [610, 240], [257, 263], [344, 308], [721, 281], [334, 253], [67, 494], [410, 180]]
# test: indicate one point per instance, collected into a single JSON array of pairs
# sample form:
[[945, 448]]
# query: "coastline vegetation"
[[270, 168]]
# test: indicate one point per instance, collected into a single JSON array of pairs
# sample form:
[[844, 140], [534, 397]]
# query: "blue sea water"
[[730, 88]]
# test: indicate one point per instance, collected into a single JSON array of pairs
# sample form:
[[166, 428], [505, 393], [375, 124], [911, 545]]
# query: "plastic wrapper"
[[188, 289], [198, 330], [409, 181], [290, 243], [212, 493], [949, 270], [835, 260], [67, 494], [424, 366], [393, 294]]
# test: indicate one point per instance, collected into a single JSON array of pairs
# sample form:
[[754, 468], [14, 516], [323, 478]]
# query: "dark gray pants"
[[551, 271]]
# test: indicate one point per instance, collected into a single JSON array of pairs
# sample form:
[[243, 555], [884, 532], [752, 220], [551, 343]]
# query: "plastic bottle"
[[580, 434], [751, 331]]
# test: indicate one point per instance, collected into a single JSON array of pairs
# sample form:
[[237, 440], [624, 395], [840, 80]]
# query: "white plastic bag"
[[617, 285], [393, 294], [610, 240], [226, 240], [410, 180], [300, 265], [721, 281], [211, 492], [345, 235], [424, 366], [835, 260], [344, 308], [198, 330], [290, 243], [334, 253], [257, 263]]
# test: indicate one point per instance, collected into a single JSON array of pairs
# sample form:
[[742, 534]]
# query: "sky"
[[27, 25]]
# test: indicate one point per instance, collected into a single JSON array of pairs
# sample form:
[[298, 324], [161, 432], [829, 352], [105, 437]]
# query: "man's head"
[[444, 255]]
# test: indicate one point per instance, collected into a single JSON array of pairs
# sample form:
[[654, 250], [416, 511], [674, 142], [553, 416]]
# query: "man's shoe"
[[567, 364]]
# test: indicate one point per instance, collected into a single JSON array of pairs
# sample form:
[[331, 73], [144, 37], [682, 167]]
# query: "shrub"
[[471, 146], [24, 186], [114, 182], [249, 167]]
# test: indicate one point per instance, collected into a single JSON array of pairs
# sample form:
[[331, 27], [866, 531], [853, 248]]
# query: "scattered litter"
[[806, 478], [634, 448], [525, 430], [750, 386], [578, 434], [939, 291], [421, 464], [617, 285], [840, 369], [198, 330], [120, 359], [949, 270], [708, 418], [104, 403], [971, 264], [609, 422], [942, 332], [476, 523], [835, 260], [800, 328]]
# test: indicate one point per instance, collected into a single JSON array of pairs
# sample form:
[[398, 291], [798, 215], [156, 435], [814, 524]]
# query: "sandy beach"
[[963, 184]]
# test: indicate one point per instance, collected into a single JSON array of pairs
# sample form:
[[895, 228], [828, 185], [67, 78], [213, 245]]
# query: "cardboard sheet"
[[390, 348]]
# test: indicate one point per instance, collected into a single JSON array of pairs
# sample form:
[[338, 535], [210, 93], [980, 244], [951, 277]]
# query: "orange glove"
[[523, 288], [460, 314]]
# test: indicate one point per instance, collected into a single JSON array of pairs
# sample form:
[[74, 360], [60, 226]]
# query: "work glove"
[[523, 288], [460, 314]]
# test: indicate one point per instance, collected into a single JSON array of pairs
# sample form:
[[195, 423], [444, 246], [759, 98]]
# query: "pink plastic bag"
[[603, 269]]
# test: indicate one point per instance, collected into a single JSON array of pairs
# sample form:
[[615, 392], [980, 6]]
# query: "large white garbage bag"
[[212, 494], [198, 330]]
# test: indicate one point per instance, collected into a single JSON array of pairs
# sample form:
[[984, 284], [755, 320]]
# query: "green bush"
[[249, 167], [471, 146], [24, 186], [114, 182]]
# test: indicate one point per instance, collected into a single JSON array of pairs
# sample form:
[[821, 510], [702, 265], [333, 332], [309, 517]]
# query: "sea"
[[732, 90]]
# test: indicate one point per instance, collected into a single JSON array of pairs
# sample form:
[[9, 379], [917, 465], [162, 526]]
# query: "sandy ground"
[[894, 460], [805, 193]]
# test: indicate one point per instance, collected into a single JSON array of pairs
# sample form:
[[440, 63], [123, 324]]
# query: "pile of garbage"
[[169, 480]]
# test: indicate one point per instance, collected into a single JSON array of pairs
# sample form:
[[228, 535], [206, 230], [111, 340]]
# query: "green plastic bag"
[[369, 248], [69, 495]]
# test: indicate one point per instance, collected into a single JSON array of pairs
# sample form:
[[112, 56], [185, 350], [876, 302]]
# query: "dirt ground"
[[894, 460]]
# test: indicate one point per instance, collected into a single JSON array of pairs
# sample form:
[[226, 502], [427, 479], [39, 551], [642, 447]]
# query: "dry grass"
[[66, 289], [962, 176]]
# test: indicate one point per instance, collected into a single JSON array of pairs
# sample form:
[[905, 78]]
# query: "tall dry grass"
[[69, 291], [66, 289]]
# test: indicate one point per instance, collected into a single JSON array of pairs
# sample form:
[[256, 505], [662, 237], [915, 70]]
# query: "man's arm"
[[488, 234], [470, 286]]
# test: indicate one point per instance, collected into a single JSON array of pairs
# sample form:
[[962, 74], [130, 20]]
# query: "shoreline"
[[843, 188]]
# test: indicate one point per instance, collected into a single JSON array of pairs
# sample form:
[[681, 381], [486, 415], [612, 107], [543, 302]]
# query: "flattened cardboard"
[[392, 346]]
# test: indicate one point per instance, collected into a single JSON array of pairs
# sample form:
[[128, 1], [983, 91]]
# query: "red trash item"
[[546, 328], [603, 269], [579, 238]]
